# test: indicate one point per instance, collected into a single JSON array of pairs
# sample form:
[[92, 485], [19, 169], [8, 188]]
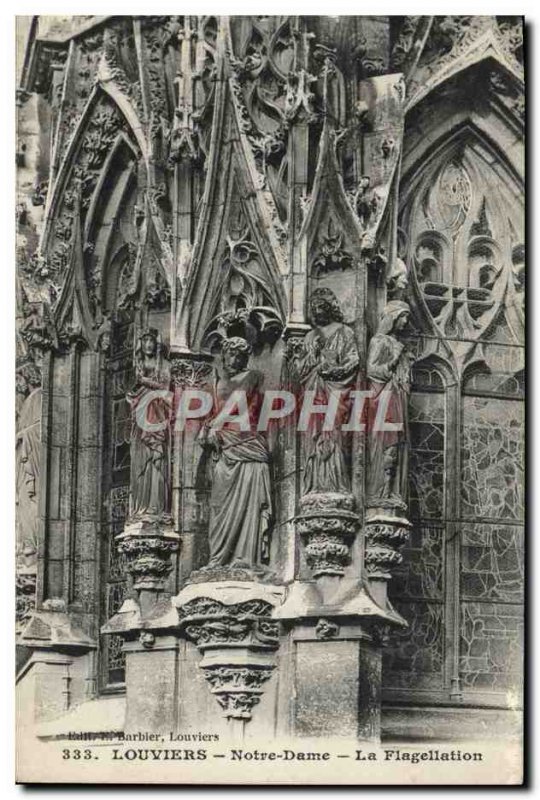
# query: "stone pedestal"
[[386, 532], [337, 684], [151, 646], [56, 675], [148, 545], [330, 661], [327, 526], [151, 682]]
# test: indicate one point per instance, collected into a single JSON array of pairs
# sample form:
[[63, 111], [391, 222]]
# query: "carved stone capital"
[[231, 623], [210, 623], [385, 533], [236, 688], [147, 547], [327, 525]]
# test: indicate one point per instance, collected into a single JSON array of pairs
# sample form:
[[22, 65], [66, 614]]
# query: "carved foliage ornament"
[[404, 41], [236, 676], [246, 300], [157, 34], [327, 525], [119, 62], [189, 373], [332, 254]]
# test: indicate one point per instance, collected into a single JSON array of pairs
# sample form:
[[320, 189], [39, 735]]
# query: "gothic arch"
[[442, 135], [99, 94], [226, 228], [108, 214], [461, 222], [485, 49], [122, 150], [442, 367]]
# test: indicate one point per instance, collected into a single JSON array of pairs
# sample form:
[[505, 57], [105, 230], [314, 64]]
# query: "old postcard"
[[270, 427]]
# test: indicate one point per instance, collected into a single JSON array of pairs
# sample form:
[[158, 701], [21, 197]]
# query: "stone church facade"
[[305, 203]]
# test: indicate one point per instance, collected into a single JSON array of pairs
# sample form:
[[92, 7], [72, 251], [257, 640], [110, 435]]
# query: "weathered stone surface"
[[312, 204], [325, 706], [152, 679]]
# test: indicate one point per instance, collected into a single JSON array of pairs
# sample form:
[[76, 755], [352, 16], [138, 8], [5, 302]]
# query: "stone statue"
[[240, 500], [150, 489], [326, 363], [388, 371]]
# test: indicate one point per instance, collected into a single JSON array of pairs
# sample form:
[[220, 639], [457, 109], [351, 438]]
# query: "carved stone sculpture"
[[388, 372], [148, 540], [150, 491], [326, 364], [241, 497]]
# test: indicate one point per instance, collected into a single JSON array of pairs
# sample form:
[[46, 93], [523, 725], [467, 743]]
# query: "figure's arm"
[[207, 437], [307, 358], [381, 361], [348, 358]]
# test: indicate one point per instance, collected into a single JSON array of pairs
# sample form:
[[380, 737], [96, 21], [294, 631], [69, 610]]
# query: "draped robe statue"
[[327, 364], [388, 371], [241, 499], [150, 479]]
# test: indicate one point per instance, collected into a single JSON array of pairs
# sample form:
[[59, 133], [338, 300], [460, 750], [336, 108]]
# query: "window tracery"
[[461, 581]]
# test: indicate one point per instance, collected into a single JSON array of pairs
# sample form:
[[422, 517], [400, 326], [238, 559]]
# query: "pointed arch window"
[[116, 461], [460, 585]]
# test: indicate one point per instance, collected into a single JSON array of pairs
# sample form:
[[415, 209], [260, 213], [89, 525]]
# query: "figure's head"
[[324, 307], [236, 352], [395, 317], [149, 342]]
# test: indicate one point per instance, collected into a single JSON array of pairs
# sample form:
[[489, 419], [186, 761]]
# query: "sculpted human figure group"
[[326, 366]]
